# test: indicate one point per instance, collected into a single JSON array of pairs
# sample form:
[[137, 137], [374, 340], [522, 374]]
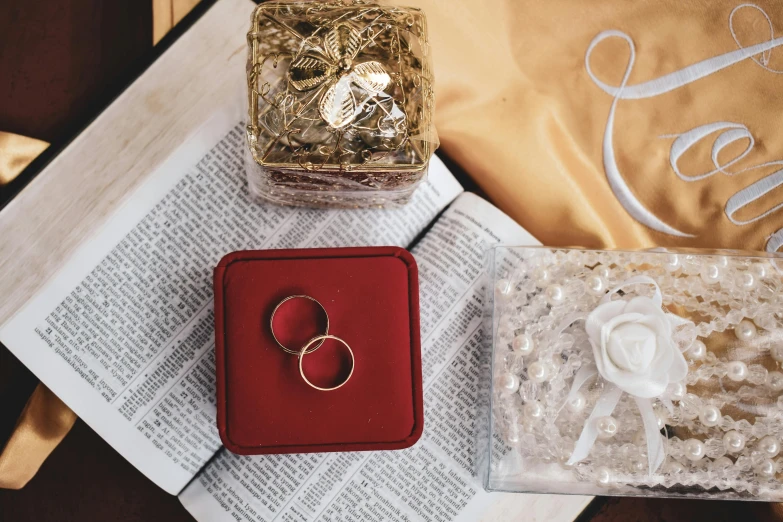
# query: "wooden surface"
[[85, 479], [44, 42], [82, 185], [62, 59], [672, 510]]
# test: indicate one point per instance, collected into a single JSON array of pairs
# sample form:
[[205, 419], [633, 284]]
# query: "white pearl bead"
[[674, 467], [538, 372], [694, 449], [710, 416], [734, 441], [746, 281], [523, 344], [697, 350], [710, 274], [722, 261], [508, 382], [777, 352], [564, 458], [745, 330], [775, 381], [595, 285], [766, 468], [577, 403], [737, 371], [672, 263], [504, 287], [722, 463], [527, 425], [533, 410], [606, 426], [601, 271], [759, 270], [676, 391], [603, 475], [555, 294], [513, 438], [770, 446], [542, 276]]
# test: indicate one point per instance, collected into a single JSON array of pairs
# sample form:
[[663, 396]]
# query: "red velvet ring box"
[[371, 296]]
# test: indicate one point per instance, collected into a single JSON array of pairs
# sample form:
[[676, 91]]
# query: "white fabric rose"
[[634, 347]]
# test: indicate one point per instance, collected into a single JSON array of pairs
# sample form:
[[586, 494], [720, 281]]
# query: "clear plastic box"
[[652, 373]]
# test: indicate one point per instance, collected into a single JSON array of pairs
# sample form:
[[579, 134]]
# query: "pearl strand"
[[570, 281]]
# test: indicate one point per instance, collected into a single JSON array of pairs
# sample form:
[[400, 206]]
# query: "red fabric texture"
[[371, 297]]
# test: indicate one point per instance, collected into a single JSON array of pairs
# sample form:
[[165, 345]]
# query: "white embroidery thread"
[[731, 132]]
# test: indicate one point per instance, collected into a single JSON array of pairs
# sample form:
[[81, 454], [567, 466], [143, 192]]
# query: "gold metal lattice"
[[340, 90]]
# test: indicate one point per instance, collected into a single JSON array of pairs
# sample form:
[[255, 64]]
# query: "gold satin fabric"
[[166, 14], [43, 423], [16, 152], [517, 110]]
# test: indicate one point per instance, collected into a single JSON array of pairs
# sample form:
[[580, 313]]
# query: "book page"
[[124, 333], [431, 481]]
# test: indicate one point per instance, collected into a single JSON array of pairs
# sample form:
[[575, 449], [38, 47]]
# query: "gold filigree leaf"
[[342, 41], [371, 76], [338, 106], [308, 72]]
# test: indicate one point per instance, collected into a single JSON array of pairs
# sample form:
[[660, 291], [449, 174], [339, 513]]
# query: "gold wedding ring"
[[321, 339], [272, 325], [311, 345]]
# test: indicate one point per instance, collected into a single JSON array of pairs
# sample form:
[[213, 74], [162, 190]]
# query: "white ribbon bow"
[[612, 393]]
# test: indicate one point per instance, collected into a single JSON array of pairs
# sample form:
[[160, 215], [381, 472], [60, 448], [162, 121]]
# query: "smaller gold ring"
[[304, 352], [272, 324]]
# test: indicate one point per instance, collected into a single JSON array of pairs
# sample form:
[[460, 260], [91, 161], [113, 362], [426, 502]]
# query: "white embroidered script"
[[729, 132]]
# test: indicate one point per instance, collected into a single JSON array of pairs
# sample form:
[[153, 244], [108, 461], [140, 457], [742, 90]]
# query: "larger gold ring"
[[272, 324], [304, 352]]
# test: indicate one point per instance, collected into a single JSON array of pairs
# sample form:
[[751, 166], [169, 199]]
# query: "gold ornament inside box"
[[340, 103]]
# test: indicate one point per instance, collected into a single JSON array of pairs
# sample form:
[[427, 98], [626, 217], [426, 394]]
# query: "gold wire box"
[[340, 103]]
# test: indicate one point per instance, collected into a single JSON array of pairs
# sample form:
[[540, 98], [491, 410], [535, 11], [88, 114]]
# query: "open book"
[[123, 331]]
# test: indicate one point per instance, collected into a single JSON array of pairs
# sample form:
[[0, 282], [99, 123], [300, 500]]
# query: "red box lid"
[[372, 298]]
